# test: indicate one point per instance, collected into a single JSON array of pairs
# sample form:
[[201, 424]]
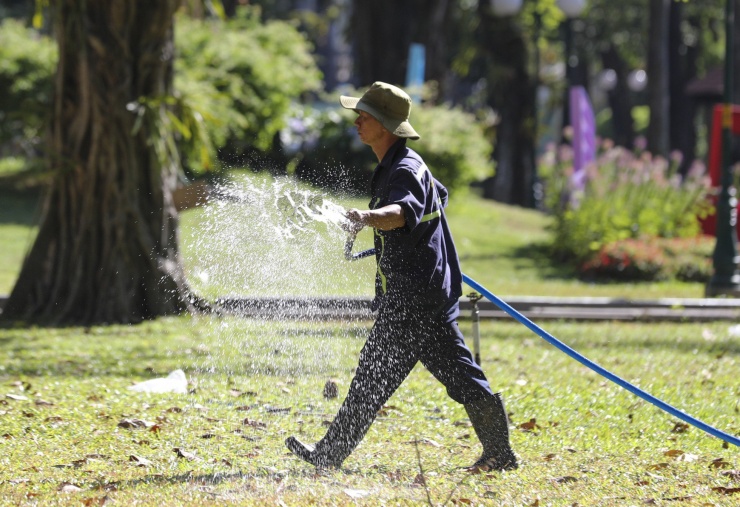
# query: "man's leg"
[[385, 361], [448, 358]]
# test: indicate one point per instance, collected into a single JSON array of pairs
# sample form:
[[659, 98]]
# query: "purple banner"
[[584, 135]]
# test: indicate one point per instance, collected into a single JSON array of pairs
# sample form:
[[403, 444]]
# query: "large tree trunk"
[[107, 247]]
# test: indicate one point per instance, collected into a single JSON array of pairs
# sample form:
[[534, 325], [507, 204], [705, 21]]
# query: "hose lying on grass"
[[598, 369]]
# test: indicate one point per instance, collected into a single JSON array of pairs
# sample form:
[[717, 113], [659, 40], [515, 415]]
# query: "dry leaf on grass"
[[68, 487], [530, 425], [139, 461], [719, 463], [134, 423], [182, 453], [726, 491]]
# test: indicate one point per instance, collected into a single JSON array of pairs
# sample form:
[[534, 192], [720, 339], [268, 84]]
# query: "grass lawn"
[[581, 439], [66, 415]]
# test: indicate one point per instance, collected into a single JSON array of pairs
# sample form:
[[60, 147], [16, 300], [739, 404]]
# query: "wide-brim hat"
[[388, 104]]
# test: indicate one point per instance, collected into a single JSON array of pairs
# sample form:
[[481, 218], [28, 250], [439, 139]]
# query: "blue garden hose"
[[598, 369]]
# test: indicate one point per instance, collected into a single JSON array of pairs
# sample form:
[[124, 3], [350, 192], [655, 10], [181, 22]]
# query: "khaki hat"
[[388, 104]]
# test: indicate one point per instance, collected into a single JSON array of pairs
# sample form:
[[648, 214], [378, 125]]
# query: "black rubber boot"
[[309, 454], [491, 424]]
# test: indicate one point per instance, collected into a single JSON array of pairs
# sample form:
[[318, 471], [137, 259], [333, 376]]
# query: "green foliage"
[[686, 259], [627, 196], [322, 137], [453, 145], [27, 61], [242, 77]]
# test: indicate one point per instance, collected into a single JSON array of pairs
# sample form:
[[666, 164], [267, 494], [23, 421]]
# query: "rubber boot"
[[309, 454], [491, 424]]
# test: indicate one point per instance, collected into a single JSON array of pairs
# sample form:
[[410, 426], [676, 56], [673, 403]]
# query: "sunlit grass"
[[580, 438]]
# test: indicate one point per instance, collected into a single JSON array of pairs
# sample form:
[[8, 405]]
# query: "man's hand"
[[355, 221], [385, 218]]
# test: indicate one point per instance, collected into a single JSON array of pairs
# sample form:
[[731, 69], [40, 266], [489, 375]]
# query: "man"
[[418, 283]]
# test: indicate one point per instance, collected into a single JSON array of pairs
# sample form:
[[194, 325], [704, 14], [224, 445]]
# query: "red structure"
[[714, 162]]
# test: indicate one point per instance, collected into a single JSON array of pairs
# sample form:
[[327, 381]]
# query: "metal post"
[[726, 279], [474, 298]]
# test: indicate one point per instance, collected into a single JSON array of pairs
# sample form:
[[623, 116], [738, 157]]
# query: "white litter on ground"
[[175, 382]]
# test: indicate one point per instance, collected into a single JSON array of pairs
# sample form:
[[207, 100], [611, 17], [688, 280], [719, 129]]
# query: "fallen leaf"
[[550, 457], [419, 480], [732, 474], [244, 408], [564, 480], [431, 442], [726, 491], [680, 427], [16, 397], [531, 425], [464, 501], [658, 466], [254, 424], [43, 403], [67, 487], [673, 453], [719, 463], [139, 461], [181, 453], [208, 435], [134, 423], [96, 456], [174, 410], [92, 501]]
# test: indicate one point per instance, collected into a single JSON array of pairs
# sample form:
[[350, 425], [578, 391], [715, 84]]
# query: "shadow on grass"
[[535, 257], [19, 206], [300, 471]]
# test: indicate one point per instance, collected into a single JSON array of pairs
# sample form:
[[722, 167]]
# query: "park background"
[[140, 143]]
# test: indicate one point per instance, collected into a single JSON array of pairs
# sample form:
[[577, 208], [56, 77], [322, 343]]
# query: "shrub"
[[648, 259], [626, 196], [27, 61], [322, 137], [243, 77]]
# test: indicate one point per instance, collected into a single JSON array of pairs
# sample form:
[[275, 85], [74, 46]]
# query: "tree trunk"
[[658, 90], [683, 109], [107, 246], [511, 93], [619, 99]]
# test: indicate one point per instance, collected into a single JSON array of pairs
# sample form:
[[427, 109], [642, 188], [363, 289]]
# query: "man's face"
[[369, 129]]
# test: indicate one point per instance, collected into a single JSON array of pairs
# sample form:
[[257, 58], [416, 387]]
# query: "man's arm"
[[384, 219]]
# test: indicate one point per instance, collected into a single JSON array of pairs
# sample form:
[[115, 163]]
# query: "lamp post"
[[726, 279]]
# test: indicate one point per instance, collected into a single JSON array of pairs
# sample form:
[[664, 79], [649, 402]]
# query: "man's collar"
[[391, 153]]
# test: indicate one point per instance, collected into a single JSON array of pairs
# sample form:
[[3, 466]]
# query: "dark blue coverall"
[[418, 283]]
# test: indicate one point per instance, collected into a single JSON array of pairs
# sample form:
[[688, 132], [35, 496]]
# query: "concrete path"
[[534, 308]]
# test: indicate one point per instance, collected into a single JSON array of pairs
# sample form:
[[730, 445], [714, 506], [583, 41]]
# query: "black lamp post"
[[726, 279]]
